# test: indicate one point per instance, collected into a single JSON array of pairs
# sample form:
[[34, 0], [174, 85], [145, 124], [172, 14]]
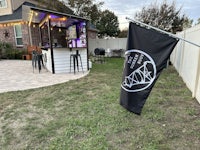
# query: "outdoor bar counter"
[[61, 58], [61, 36]]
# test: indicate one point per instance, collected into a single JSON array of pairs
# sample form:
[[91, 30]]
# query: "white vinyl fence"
[[117, 43], [186, 59]]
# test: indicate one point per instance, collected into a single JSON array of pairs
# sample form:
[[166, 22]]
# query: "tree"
[[55, 5], [108, 24], [86, 8], [123, 33], [62, 7], [198, 21], [106, 21], [165, 16], [187, 23]]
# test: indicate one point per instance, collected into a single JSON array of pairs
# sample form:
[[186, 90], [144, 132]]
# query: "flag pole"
[[157, 29]]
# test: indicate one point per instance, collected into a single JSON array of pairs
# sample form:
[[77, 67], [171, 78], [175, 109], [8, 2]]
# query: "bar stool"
[[75, 61], [37, 59]]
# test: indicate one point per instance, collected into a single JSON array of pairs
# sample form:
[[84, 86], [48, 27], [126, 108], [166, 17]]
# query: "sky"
[[128, 8]]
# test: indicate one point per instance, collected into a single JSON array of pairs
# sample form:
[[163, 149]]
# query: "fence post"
[[194, 93], [182, 55]]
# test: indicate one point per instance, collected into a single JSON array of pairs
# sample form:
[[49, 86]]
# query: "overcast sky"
[[127, 8]]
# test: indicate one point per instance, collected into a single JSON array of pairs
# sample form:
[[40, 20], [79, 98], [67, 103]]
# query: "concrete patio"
[[18, 75]]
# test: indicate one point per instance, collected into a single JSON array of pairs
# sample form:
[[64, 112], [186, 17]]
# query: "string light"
[[13, 24], [64, 18]]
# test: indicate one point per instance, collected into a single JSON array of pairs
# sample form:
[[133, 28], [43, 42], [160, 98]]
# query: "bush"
[[15, 53], [8, 52]]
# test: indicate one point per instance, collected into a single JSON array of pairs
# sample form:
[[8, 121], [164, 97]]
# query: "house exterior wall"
[[7, 10], [11, 38], [13, 5], [25, 35], [92, 34], [17, 3], [35, 34]]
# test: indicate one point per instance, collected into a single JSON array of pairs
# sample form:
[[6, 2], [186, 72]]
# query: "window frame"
[[5, 4], [17, 36]]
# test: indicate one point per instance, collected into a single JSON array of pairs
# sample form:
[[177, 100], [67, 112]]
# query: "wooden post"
[[51, 44], [87, 44]]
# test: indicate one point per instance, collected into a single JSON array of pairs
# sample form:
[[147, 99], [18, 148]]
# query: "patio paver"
[[18, 75]]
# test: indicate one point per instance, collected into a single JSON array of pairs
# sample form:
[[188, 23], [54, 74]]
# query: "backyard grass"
[[85, 114]]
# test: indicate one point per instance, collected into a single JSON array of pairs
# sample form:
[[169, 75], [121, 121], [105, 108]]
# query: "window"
[[3, 4], [18, 35]]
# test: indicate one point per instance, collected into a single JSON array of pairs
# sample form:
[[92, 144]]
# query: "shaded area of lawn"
[[85, 114]]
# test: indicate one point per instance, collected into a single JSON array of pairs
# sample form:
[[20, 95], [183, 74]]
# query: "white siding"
[[6, 10], [62, 60]]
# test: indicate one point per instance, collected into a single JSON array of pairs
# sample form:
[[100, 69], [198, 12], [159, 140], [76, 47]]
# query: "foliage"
[[105, 21], [55, 5], [198, 21], [123, 33], [108, 24], [86, 8], [165, 16], [8, 52], [5, 48], [85, 114], [187, 23], [15, 54], [1, 51]]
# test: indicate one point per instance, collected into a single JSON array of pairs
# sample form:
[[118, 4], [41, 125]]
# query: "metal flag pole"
[[170, 34]]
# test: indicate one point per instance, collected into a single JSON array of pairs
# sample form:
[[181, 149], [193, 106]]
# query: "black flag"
[[147, 53]]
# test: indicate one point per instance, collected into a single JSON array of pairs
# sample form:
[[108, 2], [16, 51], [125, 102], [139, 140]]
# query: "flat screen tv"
[[72, 32]]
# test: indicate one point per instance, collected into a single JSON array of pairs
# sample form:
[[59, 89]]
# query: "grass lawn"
[[85, 114]]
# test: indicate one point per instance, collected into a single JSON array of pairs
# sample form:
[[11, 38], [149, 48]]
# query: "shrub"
[[8, 52]]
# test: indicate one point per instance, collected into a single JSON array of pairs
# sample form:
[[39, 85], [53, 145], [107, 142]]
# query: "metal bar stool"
[[37, 59], [75, 61]]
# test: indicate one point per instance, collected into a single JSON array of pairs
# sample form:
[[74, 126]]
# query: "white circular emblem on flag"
[[139, 71]]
